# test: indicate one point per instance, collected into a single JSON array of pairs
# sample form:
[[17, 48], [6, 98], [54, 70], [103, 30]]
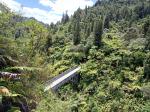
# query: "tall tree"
[[88, 31], [148, 39], [106, 22], [48, 42], [147, 68], [146, 27], [76, 34], [86, 9], [139, 10], [65, 18], [76, 29], [98, 31], [98, 2]]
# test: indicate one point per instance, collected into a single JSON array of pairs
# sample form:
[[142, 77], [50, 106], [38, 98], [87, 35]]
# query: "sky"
[[46, 11]]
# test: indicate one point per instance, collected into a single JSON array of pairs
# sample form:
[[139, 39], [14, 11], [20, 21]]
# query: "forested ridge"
[[111, 43]]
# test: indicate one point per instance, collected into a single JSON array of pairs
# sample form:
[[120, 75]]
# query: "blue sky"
[[46, 11], [33, 4]]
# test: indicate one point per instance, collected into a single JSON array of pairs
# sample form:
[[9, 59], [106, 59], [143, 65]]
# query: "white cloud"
[[60, 6], [14, 6], [57, 8], [46, 2], [41, 15]]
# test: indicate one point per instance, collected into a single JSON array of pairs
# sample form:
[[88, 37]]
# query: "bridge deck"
[[61, 79]]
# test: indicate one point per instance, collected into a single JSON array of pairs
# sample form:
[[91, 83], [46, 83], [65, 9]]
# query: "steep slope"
[[110, 41]]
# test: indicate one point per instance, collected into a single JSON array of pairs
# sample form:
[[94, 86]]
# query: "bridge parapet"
[[61, 79]]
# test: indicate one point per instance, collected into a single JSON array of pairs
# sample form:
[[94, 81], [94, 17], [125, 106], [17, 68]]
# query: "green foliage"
[[115, 61], [147, 68], [65, 18], [51, 103], [98, 31], [48, 42], [146, 107], [76, 32]]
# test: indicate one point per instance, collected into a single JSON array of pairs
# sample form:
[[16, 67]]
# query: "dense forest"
[[111, 43]]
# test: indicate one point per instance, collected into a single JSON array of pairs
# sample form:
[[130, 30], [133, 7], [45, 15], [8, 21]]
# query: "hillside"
[[111, 43]]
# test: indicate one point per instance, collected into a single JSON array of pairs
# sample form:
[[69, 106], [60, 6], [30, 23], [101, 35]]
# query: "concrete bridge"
[[61, 79]]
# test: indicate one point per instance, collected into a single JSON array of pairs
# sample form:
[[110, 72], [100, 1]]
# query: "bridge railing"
[[59, 80]]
